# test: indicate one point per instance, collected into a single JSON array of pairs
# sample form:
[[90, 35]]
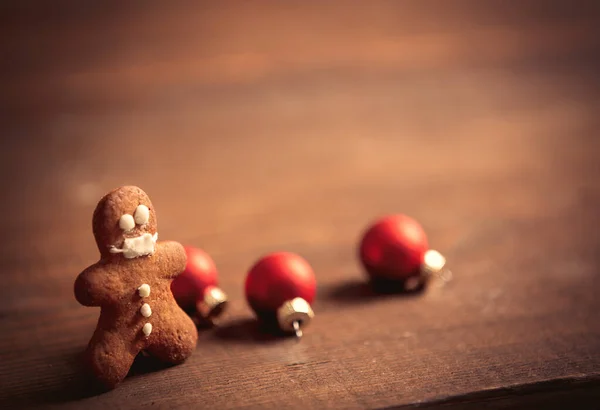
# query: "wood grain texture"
[[263, 126]]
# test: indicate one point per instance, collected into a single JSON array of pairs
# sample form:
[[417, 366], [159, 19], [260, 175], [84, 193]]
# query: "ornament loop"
[[293, 314], [445, 275]]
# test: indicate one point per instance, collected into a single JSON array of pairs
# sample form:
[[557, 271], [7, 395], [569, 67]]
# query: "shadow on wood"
[[145, 363], [358, 292], [249, 331]]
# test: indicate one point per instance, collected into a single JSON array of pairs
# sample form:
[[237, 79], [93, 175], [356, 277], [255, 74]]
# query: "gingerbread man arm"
[[171, 259], [95, 286]]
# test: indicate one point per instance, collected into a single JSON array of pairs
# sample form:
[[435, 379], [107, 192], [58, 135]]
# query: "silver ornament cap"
[[434, 263], [212, 304]]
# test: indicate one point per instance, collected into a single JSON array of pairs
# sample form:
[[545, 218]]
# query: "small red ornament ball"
[[277, 278], [393, 248], [199, 274]]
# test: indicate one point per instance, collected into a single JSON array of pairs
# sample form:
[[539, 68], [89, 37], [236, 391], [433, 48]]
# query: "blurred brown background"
[[262, 126]]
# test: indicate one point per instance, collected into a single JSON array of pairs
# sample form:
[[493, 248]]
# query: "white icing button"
[[145, 310], [126, 222], [147, 329], [141, 215], [144, 290]]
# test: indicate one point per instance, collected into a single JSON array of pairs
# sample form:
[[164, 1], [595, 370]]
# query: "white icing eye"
[[126, 222], [141, 215]]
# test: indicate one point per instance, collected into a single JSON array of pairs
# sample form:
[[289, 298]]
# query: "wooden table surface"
[[264, 126]]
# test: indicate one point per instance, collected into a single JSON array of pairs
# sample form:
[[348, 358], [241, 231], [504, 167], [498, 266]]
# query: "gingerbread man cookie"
[[131, 284]]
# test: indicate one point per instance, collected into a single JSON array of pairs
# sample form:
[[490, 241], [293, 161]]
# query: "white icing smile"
[[138, 246]]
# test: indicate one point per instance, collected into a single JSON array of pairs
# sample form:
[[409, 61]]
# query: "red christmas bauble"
[[393, 248], [277, 278], [200, 273]]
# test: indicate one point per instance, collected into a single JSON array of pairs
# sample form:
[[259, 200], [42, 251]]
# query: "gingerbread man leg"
[[110, 357], [176, 342]]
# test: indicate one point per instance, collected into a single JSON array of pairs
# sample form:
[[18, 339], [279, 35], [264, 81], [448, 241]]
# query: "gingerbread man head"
[[124, 223]]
